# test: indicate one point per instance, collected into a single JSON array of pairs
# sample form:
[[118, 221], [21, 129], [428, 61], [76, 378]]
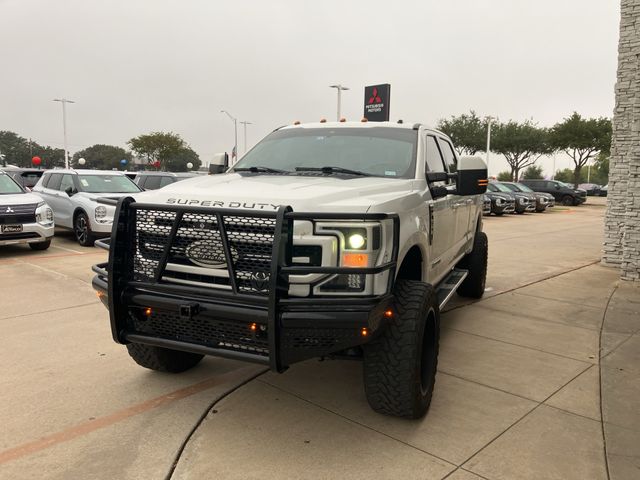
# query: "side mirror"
[[557, 187], [472, 176], [219, 163], [69, 191], [437, 177]]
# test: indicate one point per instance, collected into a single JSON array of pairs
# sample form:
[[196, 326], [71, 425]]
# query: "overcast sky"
[[136, 66]]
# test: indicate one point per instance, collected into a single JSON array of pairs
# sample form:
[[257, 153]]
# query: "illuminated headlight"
[[44, 215], [356, 241], [358, 246]]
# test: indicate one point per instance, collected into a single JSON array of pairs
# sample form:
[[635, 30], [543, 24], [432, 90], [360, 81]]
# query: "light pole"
[[245, 123], [235, 133], [340, 88], [489, 119], [64, 102]]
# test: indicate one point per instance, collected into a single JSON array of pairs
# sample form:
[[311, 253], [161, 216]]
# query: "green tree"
[[564, 175], [101, 157], [16, 149], [522, 144], [177, 162], [467, 131], [533, 172], [158, 147], [581, 139], [504, 177]]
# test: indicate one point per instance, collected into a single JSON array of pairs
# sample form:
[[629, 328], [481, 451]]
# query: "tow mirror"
[[472, 176], [219, 163]]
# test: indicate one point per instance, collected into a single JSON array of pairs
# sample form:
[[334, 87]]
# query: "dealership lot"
[[517, 393]]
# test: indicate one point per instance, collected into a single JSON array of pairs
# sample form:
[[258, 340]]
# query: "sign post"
[[376, 102]]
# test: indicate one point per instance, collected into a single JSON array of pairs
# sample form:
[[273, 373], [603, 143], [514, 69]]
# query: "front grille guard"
[[118, 270]]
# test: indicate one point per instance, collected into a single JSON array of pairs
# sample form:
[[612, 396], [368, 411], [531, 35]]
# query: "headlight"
[[521, 200], [101, 212], [356, 241], [359, 245], [44, 215], [499, 201]]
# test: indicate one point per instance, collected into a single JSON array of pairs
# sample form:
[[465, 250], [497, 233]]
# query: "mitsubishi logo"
[[10, 210], [375, 98]]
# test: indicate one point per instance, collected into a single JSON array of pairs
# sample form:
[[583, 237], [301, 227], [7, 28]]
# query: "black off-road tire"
[[163, 359], [476, 263], [40, 245], [400, 364], [568, 201], [82, 230]]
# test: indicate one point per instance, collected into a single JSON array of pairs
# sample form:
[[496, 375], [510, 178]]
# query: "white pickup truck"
[[324, 239]]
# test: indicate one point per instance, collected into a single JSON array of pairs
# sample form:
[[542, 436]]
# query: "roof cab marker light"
[[364, 120], [342, 120], [323, 120], [364, 331], [297, 122]]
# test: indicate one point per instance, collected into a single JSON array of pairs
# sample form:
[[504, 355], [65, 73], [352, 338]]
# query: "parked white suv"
[[24, 217], [73, 195]]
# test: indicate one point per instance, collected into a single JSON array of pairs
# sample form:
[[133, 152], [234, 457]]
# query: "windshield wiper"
[[259, 169], [331, 170]]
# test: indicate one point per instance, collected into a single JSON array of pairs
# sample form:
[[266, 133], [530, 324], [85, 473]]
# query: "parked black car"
[[501, 202], [156, 180], [25, 177], [542, 199], [524, 202], [562, 192]]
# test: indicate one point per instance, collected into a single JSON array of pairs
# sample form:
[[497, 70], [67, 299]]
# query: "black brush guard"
[[267, 327]]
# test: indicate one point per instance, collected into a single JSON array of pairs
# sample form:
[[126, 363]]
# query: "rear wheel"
[[162, 359], [82, 229], [567, 200], [40, 245], [400, 364], [476, 263]]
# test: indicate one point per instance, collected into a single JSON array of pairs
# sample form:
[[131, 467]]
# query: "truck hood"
[[310, 193], [20, 199]]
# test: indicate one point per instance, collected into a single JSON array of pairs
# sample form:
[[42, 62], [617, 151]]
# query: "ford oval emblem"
[[206, 254]]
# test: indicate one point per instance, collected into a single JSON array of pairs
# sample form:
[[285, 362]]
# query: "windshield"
[[523, 188], [8, 186], [501, 187], [107, 184], [376, 151], [511, 187]]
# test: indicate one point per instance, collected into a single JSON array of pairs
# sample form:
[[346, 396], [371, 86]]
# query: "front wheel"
[[82, 229], [162, 359], [567, 201], [400, 364]]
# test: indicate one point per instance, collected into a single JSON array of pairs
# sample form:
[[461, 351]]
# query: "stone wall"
[[622, 221]]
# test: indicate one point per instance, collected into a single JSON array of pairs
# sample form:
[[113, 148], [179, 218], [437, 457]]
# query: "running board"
[[449, 285]]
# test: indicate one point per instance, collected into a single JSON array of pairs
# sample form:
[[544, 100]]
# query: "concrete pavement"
[[517, 393]]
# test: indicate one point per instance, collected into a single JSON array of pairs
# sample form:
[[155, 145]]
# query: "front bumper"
[[274, 329], [31, 233], [101, 228]]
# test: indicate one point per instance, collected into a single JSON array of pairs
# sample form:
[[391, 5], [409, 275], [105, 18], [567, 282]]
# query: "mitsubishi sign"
[[376, 102]]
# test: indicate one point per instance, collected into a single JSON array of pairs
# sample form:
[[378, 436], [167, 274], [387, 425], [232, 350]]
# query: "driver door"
[[442, 221]]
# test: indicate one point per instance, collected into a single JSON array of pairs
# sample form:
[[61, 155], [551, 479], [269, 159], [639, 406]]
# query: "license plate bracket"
[[11, 228]]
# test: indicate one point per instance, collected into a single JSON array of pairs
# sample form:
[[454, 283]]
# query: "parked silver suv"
[[73, 196], [24, 217]]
